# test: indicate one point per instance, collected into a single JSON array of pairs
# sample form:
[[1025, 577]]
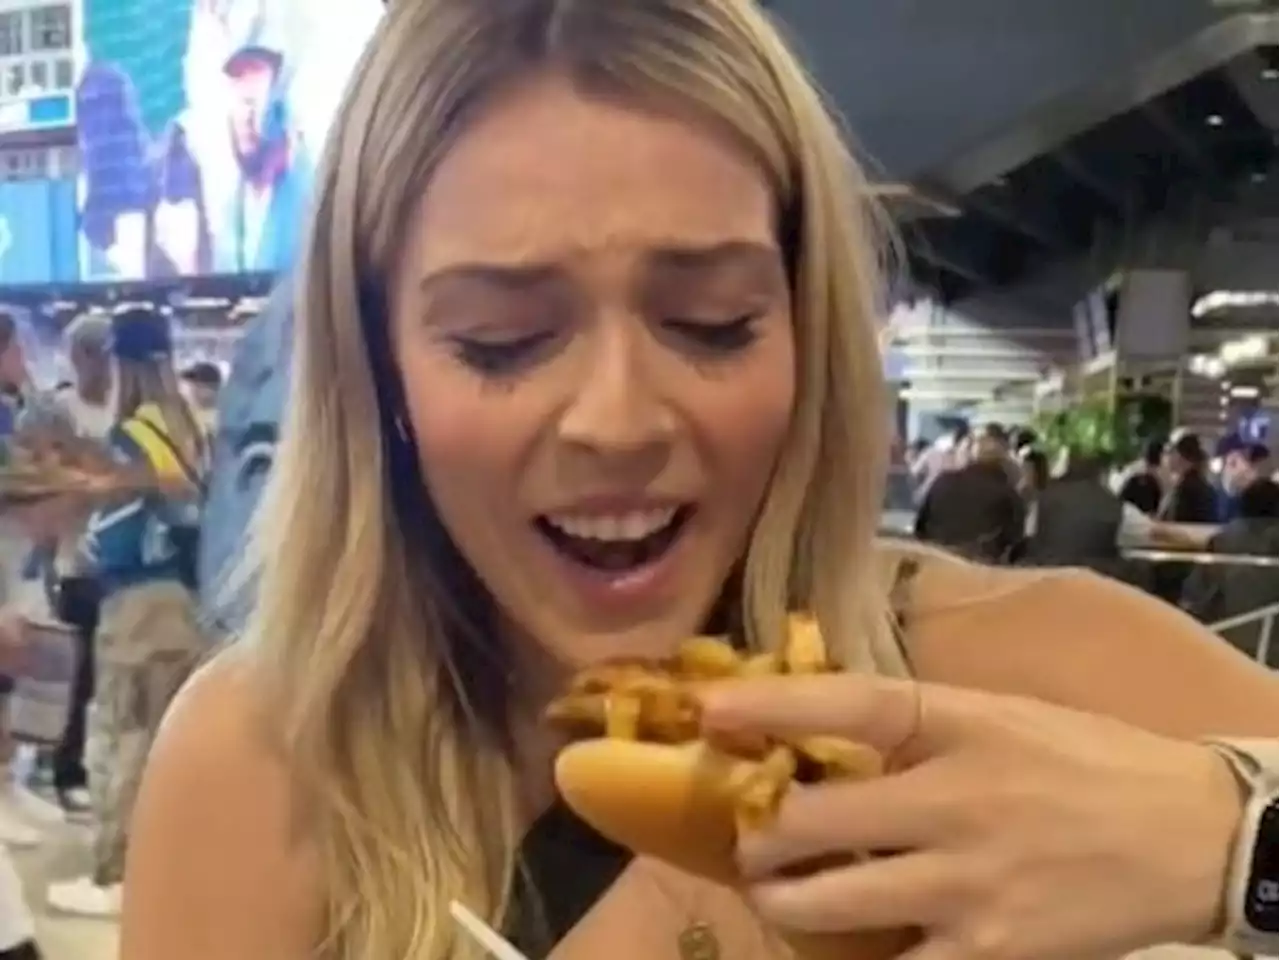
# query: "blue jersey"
[[251, 407], [134, 543]]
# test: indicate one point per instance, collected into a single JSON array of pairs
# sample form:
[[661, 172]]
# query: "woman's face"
[[593, 326]]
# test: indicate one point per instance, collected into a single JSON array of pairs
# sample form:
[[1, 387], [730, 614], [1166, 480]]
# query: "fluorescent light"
[[1244, 393], [1270, 73], [1233, 300], [1215, 120]]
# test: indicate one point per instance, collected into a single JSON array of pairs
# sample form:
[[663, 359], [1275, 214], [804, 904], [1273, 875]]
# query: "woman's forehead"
[[547, 172]]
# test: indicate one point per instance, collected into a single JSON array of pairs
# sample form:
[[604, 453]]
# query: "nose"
[[617, 410]]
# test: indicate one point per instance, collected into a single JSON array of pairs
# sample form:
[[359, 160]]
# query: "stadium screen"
[[199, 124]]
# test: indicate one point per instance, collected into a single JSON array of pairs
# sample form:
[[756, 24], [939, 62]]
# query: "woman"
[[586, 363], [147, 641]]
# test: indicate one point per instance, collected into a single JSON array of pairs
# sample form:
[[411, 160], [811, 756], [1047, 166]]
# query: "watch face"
[[1263, 891]]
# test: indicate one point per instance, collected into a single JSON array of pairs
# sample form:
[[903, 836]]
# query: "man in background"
[[1190, 497], [976, 510], [947, 453], [1242, 464], [202, 383], [1141, 484], [260, 226], [1220, 591]]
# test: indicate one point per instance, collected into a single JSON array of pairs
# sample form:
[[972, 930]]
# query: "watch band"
[[1249, 894]]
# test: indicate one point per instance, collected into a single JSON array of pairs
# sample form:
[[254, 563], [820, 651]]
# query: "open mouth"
[[616, 544]]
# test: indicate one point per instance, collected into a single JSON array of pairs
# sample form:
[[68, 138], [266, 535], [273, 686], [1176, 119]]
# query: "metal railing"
[[1206, 559], [1265, 616]]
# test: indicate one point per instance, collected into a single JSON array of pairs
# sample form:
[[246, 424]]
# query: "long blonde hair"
[[155, 382], [371, 631]]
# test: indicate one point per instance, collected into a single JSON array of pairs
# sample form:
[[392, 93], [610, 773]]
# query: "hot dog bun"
[[674, 803], [654, 785]]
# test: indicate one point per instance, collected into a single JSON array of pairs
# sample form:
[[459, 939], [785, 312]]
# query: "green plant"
[[1091, 427]]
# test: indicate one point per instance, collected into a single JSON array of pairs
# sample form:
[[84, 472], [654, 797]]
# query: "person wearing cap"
[[1243, 463], [260, 226], [142, 549], [201, 383]]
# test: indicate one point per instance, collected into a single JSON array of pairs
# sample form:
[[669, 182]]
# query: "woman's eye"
[[500, 356], [715, 337]]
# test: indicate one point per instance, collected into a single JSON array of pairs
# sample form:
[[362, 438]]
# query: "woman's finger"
[[902, 811], [905, 720], [908, 890]]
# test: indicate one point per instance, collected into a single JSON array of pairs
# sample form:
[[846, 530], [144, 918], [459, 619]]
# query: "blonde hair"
[[154, 382], [373, 645]]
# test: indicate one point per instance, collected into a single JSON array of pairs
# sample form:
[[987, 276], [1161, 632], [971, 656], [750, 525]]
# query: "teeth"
[[633, 525]]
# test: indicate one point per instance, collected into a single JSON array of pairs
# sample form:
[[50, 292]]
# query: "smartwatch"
[[1252, 887]]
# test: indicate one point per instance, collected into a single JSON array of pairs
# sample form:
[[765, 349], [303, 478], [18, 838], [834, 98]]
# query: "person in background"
[[947, 453], [1219, 591], [1078, 519], [1142, 486], [148, 640], [976, 510], [26, 551], [915, 451], [1190, 497], [1242, 464], [1023, 438], [201, 383], [1033, 477], [89, 404]]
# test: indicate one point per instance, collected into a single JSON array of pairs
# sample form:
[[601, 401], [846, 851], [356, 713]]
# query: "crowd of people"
[[993, 494], [118, 574]]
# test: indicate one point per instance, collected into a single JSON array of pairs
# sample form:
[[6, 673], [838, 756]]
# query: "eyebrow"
[[725, 254], [523, 277], [516, 278]]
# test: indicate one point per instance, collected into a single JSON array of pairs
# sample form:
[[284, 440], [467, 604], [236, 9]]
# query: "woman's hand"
[[1026, 830]]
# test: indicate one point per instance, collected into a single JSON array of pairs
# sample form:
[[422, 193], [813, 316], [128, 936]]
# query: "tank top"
[[566, 867]]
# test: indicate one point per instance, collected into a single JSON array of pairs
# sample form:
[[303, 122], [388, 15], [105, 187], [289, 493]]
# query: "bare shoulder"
[[217, 869], [1085, 641]]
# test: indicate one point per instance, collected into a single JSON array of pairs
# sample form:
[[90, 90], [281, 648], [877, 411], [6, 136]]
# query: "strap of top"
[[899, 603]]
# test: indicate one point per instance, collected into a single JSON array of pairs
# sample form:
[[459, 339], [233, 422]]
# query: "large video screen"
[[37, 232], [200, 123]]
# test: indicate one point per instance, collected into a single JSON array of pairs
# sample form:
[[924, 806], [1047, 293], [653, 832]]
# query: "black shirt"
[[566, 867], [1192, 500], [1143, 491], [975, 511]]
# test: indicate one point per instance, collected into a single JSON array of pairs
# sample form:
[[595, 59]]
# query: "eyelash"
[[717, 338], [499, 357], [495, 358]]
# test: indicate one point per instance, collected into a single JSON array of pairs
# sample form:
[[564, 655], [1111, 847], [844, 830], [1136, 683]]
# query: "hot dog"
[[642, 772]]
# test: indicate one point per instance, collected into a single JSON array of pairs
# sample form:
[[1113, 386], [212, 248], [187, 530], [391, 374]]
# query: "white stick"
[[493, 942]]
